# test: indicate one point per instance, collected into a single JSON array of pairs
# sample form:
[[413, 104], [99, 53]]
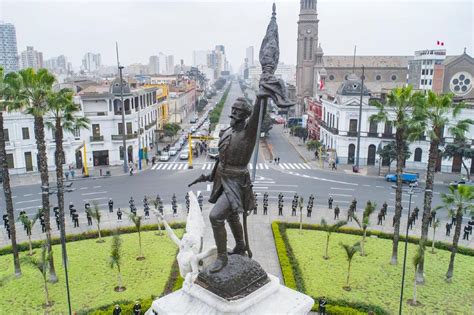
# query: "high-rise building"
[[422, 68], [170, 64], [162, 63], [8, 48], [200, 58], [58, 65], [220, 48], [91, 62], [153, 65], [31, 58], [250, 57]]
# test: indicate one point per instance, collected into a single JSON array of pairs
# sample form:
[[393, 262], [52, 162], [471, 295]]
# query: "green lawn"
[[375, 281], [91, 280]]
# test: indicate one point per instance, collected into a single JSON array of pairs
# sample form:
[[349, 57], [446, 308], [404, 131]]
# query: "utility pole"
[[360, 119], [139, 140], [120, 68]]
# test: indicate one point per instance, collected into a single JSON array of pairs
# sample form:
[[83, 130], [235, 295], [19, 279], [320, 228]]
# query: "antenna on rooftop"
[[354, 59]]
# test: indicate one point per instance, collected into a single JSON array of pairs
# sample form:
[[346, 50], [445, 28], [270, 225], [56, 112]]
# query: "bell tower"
[[307, 44]]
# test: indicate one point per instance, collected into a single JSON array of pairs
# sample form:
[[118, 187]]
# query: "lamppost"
[[360, 119], [411, 191], [124, 138]]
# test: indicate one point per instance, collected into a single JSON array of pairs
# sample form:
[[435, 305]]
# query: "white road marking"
[[32, 207], [13, 197], [198, 192], [250, 166], [307, 165], [366, 185], [266, 166], [297, 166], [260, 187], [337, 188], [203, 167], [101, 198], [209, 166], [208, 188], [285, 166], [27, 201], [379, 186], [263, 182], [341, 195], [182, 167], [27, 195], [281, 166], [159, 166], [260, 165], [94, 193], [175, 166], [291, 166], [97, 186], [154, 166]]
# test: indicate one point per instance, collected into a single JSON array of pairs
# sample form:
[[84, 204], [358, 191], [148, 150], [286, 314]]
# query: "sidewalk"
[[373, 171]]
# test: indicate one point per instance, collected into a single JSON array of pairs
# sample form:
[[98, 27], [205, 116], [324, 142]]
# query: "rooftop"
[[367, 61]]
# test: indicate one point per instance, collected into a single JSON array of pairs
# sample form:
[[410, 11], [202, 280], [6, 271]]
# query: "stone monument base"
[[271, 298]]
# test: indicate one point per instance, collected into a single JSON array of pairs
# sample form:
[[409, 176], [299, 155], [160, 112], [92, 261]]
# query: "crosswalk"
[[180, 166]]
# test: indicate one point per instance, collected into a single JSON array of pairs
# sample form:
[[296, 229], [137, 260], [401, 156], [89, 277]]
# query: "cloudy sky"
[[144, 28]]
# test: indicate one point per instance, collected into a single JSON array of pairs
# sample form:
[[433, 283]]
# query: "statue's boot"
[[220, 237], [238, 233]]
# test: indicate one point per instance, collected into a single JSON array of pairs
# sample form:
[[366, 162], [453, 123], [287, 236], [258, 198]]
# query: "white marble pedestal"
[[272, 298]]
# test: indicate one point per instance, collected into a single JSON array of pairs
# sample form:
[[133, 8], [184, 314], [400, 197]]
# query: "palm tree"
[[461, 200], [369, 209], [435, 226], [95, 214], [62, 110], [137, 220], [6, 105], [42, 264], [431, 117], [461, 145], [417, 259], [329, 230], [350, 251], [34, 89], [400, 103], [115, 259], [29, 223]]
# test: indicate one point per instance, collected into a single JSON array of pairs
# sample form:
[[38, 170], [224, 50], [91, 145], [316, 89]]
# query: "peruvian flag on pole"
[[439, 43]]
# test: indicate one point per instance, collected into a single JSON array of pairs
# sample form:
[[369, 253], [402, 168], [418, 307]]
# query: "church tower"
[[306, 52]]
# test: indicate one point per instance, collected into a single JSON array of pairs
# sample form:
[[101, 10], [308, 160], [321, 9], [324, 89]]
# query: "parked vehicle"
[[406, 177], [172, 151], [456, 183], [164, 157], [184, 155]]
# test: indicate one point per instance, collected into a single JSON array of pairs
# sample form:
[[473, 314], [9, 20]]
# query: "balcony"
[[97, 138], [92, 114], [373, 134], [332, 130], [388, 135], [150, 125], [120, 137], [352, 133]]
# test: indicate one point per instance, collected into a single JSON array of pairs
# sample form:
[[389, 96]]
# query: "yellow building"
[[163, 107]]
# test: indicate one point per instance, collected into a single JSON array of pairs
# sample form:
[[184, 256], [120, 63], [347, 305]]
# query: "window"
[[310, 57], [331, 77], [431, 81], [121, 152], [378, 77], [10, 161], [305, 55], [388, 128], [6, 136], [431, 71], [418, 153], [120, 128], [394, 77], [26, 133], [373, 127], [77, 132], [95, 130], [353, 125], [129, 128]]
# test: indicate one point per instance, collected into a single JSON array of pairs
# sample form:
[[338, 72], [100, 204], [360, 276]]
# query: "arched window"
[[305, 54], [418, 153], [310, 57], [371, 155]]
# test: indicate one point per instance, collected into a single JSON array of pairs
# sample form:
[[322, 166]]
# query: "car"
[[164, 157], [406, 177], [193, 129], [456, 183], [193, 119], [172, 151], [184, 155]]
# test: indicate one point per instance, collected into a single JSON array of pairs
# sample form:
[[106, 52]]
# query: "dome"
[[352, 86], [115, 87], [323, 72]]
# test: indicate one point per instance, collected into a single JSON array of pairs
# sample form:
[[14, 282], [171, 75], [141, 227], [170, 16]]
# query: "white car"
[[172, 151], [165, 157], [184, 155], [193, 129]]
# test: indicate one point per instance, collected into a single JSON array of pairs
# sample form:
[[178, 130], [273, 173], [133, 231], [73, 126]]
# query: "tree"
[[435, 225], [462, 145], [460, 199], [115, 259], [313, 145], [137, 221], [171, 129], [389, 153], [29, 223], [400, 103], [350, 251], [34, 89], [417, 259], [329, 230], [42, 264], [95, 214], [430, 117], [364, 224], [62, 110], [7, 92], [267, 123]]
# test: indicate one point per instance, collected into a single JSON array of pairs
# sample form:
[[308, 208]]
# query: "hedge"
[[215, 114], [293, 278]]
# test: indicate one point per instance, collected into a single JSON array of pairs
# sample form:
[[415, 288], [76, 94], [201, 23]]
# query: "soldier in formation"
[[186, 198], [416, 211], [43, 225], [71, 207], [471, 225], [354, 205], [330, 201], [75, 220], [119, 215], [111, 205], [280, 204], [336, 212], [466, 233], [432, 216], [56, 216], [294, 204], [350, 212], [5, 220], [309, 208], [174, 205], [200, 200], [380, 218], [448, 228], [256, 203], [146, 209], [89, 218], [384, 210], [265, 203]]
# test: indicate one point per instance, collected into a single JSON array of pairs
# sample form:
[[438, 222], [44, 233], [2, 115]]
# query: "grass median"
[[91, 279]]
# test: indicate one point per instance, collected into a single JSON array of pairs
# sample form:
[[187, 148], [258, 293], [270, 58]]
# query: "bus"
[[213, 149]]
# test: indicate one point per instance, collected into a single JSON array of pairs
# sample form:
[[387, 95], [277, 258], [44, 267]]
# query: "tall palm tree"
[[115, 259], [364, 223], [6, 90], [430, 117], [461, 146], [329, 230], [137, 221], [350, 252], [29, 223], [398, 108], [34, 90], [460, 199], [62, 111], [95, 214]]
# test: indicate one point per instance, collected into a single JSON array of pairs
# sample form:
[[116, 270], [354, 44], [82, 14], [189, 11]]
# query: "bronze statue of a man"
[[232, 191]]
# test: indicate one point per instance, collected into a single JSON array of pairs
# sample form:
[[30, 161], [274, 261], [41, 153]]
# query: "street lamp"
[[411, 190]]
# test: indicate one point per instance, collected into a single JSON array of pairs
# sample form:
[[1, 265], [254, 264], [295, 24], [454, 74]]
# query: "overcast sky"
[[144, 28]]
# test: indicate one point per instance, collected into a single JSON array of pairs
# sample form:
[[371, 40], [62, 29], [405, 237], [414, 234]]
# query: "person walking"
[[448, 228]]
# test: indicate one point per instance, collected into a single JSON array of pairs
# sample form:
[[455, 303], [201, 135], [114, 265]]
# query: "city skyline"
[[195, 33]]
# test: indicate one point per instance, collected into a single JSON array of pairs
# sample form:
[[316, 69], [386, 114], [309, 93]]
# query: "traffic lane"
[[281, 147]]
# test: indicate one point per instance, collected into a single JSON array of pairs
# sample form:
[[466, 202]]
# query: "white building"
[[170, 64], [31, 58], [153, 65], [8, 48], [200, 57], [181, 104], [250, 56], [58, 65], [339, 126], [91, 62]]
